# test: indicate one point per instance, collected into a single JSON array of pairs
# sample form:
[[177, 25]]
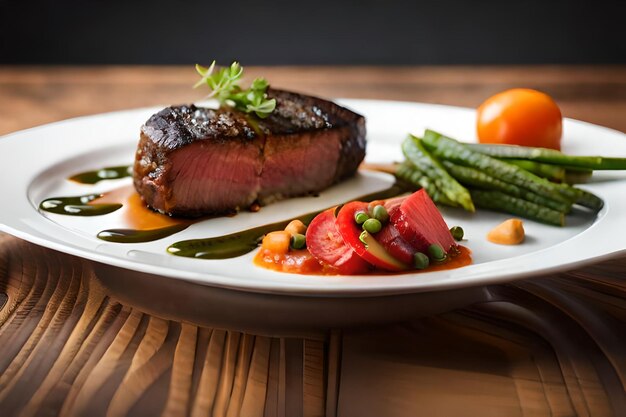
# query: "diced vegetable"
[[335, 239], [509, 232], [295, 227], [298, 241], [277, 242]]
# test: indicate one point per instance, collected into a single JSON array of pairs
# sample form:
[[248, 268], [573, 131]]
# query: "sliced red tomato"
[[420, 223], [373, 253], [390, 239], [327, 245]]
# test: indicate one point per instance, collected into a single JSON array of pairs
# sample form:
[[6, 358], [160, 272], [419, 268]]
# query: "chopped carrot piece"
[[295, 227], [509, 232], [277, 242]]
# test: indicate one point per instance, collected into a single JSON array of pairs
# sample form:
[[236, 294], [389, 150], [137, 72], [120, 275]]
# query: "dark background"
[[276, 32]]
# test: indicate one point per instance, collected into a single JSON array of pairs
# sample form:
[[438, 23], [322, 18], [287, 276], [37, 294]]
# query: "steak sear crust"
[[193, 161]]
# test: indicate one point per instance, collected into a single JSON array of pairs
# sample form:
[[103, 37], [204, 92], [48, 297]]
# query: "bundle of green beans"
[[511, 179]]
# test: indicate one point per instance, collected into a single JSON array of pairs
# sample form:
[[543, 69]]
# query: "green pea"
[[436, 253], [360, 217], [380, 213], [298, 241], [420, 261], [457, 233], [372, 226]]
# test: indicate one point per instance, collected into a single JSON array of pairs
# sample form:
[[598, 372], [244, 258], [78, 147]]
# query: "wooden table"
[[553, 345]]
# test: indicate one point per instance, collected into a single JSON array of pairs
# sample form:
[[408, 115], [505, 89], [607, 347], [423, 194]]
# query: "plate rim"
[[298, 290]]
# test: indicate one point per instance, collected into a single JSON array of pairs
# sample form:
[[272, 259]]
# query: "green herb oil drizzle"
[[139, 236], [108, 173], [240, 243], [77, 206]]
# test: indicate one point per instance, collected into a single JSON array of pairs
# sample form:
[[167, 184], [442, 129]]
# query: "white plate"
[[36, 163]]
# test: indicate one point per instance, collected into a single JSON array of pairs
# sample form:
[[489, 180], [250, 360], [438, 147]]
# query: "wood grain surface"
[[549, 346]]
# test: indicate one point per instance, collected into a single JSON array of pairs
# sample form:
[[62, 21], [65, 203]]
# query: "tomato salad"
[[401, 234]]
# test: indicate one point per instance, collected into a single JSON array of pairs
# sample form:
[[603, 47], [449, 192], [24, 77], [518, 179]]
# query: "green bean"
[[496, 200], [549, 156], [473, 177], [421, 158], [409, 173], [558, 173], [577, 176], [551, 172], [612, 164], [590, 200], [447, 148]]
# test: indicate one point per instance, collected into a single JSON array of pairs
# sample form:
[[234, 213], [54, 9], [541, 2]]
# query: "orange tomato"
[[520, 116]]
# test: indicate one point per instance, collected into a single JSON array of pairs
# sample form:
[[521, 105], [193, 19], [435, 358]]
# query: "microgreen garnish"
[[224, 85]]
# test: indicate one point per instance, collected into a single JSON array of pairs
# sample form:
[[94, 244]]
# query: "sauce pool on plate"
[[302, 262], [138, 224]]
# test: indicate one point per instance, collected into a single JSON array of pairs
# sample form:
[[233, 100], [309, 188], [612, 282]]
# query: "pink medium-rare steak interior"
[[222, 177], [192, 161], [305, 161]]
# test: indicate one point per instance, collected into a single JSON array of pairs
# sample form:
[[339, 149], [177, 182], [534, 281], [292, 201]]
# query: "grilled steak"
[[192, 161]]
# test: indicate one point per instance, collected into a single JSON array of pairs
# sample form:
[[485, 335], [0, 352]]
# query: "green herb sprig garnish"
[[224, 85]]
